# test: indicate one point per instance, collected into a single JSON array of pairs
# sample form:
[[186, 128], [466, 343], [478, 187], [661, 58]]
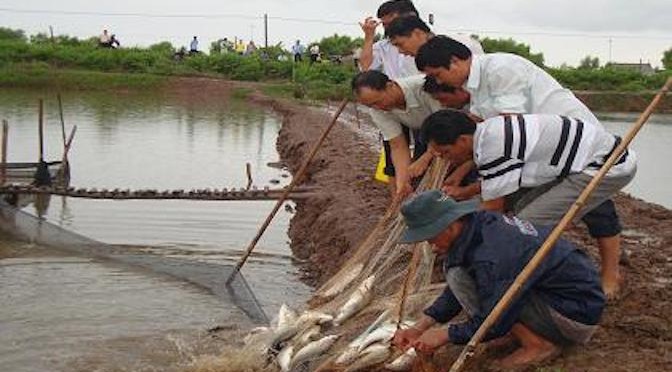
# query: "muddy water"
[[66, 311], [654, 153]]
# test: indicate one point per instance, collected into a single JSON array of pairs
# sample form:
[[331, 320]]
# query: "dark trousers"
[[419, 149]]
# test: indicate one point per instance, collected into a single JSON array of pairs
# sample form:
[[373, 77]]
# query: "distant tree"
[[512, 46], [9, 34], [589, 63], [338, 44], [667, 59], [163, 47]]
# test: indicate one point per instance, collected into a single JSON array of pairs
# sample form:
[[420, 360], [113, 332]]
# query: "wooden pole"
[[60, 112], [248, 170], [297, 178], [40, 129], [513, 290], [5, 131]]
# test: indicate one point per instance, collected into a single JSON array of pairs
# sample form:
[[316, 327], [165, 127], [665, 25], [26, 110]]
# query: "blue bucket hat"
[[429, 213]]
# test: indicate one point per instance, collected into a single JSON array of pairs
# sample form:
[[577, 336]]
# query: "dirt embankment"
[[635, 333]]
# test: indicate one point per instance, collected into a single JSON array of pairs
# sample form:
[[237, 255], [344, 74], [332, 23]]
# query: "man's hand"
[[369, 27], [417, 168], [403, 188], [404, 338], [431, 340], [456, 192]]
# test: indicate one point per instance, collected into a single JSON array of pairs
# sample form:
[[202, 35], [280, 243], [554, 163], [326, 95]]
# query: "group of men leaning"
[[522, 148]]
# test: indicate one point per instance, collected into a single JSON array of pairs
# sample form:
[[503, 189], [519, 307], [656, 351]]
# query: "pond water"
[[653, 146], [62, 310]]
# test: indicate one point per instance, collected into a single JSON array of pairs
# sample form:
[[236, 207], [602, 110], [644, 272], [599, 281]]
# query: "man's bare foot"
[[502, 342], [529, 356], [611, 285]]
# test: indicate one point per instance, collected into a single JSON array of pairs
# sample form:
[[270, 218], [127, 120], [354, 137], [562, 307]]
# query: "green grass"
[[40, 75]]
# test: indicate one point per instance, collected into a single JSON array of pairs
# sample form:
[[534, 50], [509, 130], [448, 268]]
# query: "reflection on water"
[[652, 145], [65, 311]]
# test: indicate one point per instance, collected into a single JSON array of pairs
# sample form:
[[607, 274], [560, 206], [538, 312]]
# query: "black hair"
[[404, 26], [432, 86], [372, 79], [438, 51], [444, 127], [400, 7]]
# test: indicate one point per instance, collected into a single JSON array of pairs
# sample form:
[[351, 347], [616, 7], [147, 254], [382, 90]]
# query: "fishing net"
[[399, 272], [209, 276]]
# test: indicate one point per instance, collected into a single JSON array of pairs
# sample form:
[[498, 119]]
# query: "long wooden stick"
[[60, 113], [295, 180], [5, 131], [40, 129], [513, 290]]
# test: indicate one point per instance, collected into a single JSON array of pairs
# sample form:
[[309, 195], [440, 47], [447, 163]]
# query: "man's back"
[[506, 83]]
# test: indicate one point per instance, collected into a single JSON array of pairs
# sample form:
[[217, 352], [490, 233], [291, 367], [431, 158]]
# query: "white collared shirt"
[[517, 151], [419, 105], [386, 58], [502, 83]]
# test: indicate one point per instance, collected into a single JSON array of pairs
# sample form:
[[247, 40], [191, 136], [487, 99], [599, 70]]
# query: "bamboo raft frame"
[[298, 193]]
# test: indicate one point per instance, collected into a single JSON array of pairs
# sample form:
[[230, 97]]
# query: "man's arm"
[[495, 205], [421, 164], [401, 159], [366, 58]]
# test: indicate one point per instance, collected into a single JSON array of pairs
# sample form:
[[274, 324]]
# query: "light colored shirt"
[[517, 151], [194, 44], [386, 58], [297, 49], [502, 83], [315, 49], [419, 105], [104, 38]]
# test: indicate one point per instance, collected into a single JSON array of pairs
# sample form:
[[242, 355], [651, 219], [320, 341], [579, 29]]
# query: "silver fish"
[[285, 358], [404, 362], [348, 356], [383, 334], [309, 335], [351, 352], [359, 298], [286, 316], [374, 354], [347, 278], [313, 350]]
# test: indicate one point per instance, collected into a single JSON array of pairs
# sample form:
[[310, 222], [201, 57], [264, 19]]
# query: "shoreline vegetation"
[[64, 62]]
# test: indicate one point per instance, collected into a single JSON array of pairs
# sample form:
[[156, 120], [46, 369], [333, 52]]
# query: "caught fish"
[[348, 356], [283, 334], [309, 335], [359, 298], [286, 316], [340, 285], [313, 350], [374, 354], [382, 334], [404, 362], [285, 358], [310, 317]]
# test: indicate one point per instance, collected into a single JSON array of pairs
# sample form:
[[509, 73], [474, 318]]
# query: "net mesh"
[[210, 276]]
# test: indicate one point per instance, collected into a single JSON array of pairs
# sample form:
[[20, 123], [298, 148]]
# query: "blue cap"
[[430, 212]]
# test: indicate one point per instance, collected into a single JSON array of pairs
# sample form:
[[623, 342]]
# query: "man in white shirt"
[[398, 106], [104, 39], [549, 158], [382, 55], [193, 46], [502, 83]]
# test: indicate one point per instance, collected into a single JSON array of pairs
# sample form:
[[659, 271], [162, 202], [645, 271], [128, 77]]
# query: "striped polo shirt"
[[515, 151]]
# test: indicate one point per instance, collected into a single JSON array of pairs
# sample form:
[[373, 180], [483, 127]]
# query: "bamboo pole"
[[288, 190], [524, 275], [60, 113], [3, 171], [40, 129], [248, 170]]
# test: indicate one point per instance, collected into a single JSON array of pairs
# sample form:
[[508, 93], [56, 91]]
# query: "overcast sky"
[[565, 31]]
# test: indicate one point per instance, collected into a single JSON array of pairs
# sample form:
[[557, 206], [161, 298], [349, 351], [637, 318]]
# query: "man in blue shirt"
[[483, 252]]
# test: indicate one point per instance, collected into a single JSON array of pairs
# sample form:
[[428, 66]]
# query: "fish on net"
[[360, 307]]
